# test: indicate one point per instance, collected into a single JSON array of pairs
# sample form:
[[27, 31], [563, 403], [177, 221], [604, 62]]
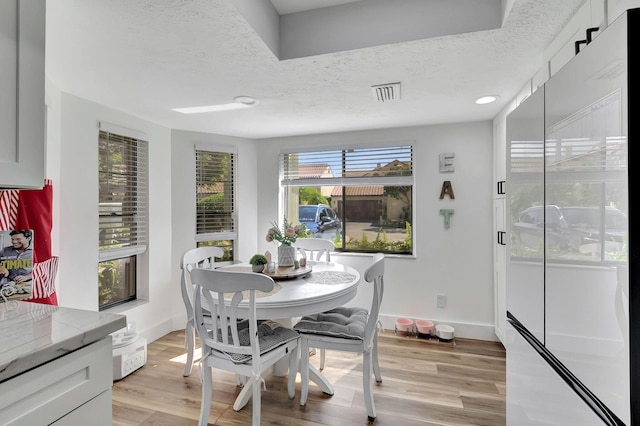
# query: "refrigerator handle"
[[501, 238]]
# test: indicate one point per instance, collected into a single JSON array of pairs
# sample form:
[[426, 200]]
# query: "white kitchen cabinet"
[[536, 395], [22, 106], [499, 160], [499, 269], [71, 390]]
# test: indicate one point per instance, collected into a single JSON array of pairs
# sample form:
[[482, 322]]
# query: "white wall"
[[184, 195], [456, 262], [75, 216]]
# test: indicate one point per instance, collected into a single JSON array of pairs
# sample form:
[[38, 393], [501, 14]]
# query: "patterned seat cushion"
[[342, 322], [270, 336]]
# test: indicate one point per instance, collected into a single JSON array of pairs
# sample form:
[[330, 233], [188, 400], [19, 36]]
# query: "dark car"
[[320, 219], [577, 228]]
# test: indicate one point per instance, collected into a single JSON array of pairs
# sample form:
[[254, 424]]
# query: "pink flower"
[[287, 234]]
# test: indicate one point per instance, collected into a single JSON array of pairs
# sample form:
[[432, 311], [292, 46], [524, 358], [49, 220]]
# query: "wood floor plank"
[[425, 383]]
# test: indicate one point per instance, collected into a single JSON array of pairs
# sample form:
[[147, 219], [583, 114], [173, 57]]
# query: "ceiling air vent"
[[386, 92]]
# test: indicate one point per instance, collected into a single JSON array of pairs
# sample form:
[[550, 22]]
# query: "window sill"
[[368, 255], [119, 309]]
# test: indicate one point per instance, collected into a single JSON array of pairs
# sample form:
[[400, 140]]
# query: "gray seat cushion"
[[342, 322], [270, 336]]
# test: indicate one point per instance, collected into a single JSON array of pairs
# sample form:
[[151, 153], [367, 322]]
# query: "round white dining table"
[[329, 285]]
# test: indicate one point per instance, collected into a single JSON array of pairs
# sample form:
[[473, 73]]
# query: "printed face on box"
[[16, 263]]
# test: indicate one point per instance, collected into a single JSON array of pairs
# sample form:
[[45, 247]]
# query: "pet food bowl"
[[445, 332], [424, 327], [404, 325]]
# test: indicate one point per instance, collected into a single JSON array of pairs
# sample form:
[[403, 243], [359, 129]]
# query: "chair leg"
[[293, 371], [322, 354], [245, 394], [366, 385], [304, 370], [241, 380], [257, 393], [205, 404], [190, 343], [376, 365]]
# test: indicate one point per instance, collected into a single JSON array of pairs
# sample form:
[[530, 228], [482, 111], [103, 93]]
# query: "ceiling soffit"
[[363, 24]]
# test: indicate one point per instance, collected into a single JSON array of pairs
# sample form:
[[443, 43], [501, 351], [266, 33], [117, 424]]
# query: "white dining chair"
[[347, 329], [236, 342], [314, 249], [201, 257]]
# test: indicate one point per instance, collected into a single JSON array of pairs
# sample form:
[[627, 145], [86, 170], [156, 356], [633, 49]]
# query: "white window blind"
[[215, 193], [389, 166], [123, 195]]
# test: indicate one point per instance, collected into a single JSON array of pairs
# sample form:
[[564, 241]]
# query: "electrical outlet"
[[442, 301]]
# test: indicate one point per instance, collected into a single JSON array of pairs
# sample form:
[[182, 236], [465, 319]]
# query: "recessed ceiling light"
[[245, 100], [239, 102], [487, 99]]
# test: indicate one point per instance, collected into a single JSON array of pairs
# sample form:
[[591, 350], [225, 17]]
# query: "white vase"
[[286, 255]]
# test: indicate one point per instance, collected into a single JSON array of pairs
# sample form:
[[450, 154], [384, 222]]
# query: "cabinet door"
[[589, 133], [536, 395], [22, 107], [499, 160], [97, 412], [49, 392], [525, 214], [499, 269]]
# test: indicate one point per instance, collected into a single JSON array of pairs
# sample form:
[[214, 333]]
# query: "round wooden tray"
[[288, 272]]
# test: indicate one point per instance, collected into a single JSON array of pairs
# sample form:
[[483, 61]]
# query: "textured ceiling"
[[284, 7], [145, 57]]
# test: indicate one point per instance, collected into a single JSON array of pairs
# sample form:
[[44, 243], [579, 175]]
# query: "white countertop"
[[32, 334]]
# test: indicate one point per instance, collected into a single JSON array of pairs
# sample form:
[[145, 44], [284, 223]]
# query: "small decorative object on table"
[[287, 235], [257, 262], [286, 255]]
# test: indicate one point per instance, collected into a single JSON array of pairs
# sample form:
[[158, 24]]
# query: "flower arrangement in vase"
[[286, 236]]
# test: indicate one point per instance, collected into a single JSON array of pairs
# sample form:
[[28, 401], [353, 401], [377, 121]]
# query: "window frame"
[[288, 180], [216, 238], [134, 211]]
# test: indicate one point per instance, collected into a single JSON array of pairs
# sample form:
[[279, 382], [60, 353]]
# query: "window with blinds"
[[123, 213], [216, 198], [370, 189]]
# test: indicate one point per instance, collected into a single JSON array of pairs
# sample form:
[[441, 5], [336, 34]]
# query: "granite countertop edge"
[[32, 335]]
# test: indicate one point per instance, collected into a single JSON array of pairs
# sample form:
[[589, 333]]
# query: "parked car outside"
[[320, 219], [576, 228]]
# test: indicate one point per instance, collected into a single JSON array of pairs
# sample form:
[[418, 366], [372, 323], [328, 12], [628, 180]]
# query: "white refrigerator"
[[573, 271]]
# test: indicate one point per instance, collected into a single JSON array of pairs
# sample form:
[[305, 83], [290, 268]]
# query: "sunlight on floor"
[[197, 354]]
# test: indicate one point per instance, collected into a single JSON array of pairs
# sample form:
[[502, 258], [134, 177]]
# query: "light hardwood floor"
[[424, 382]]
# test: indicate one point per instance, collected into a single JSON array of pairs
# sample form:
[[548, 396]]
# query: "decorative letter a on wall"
[[447, 189]]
